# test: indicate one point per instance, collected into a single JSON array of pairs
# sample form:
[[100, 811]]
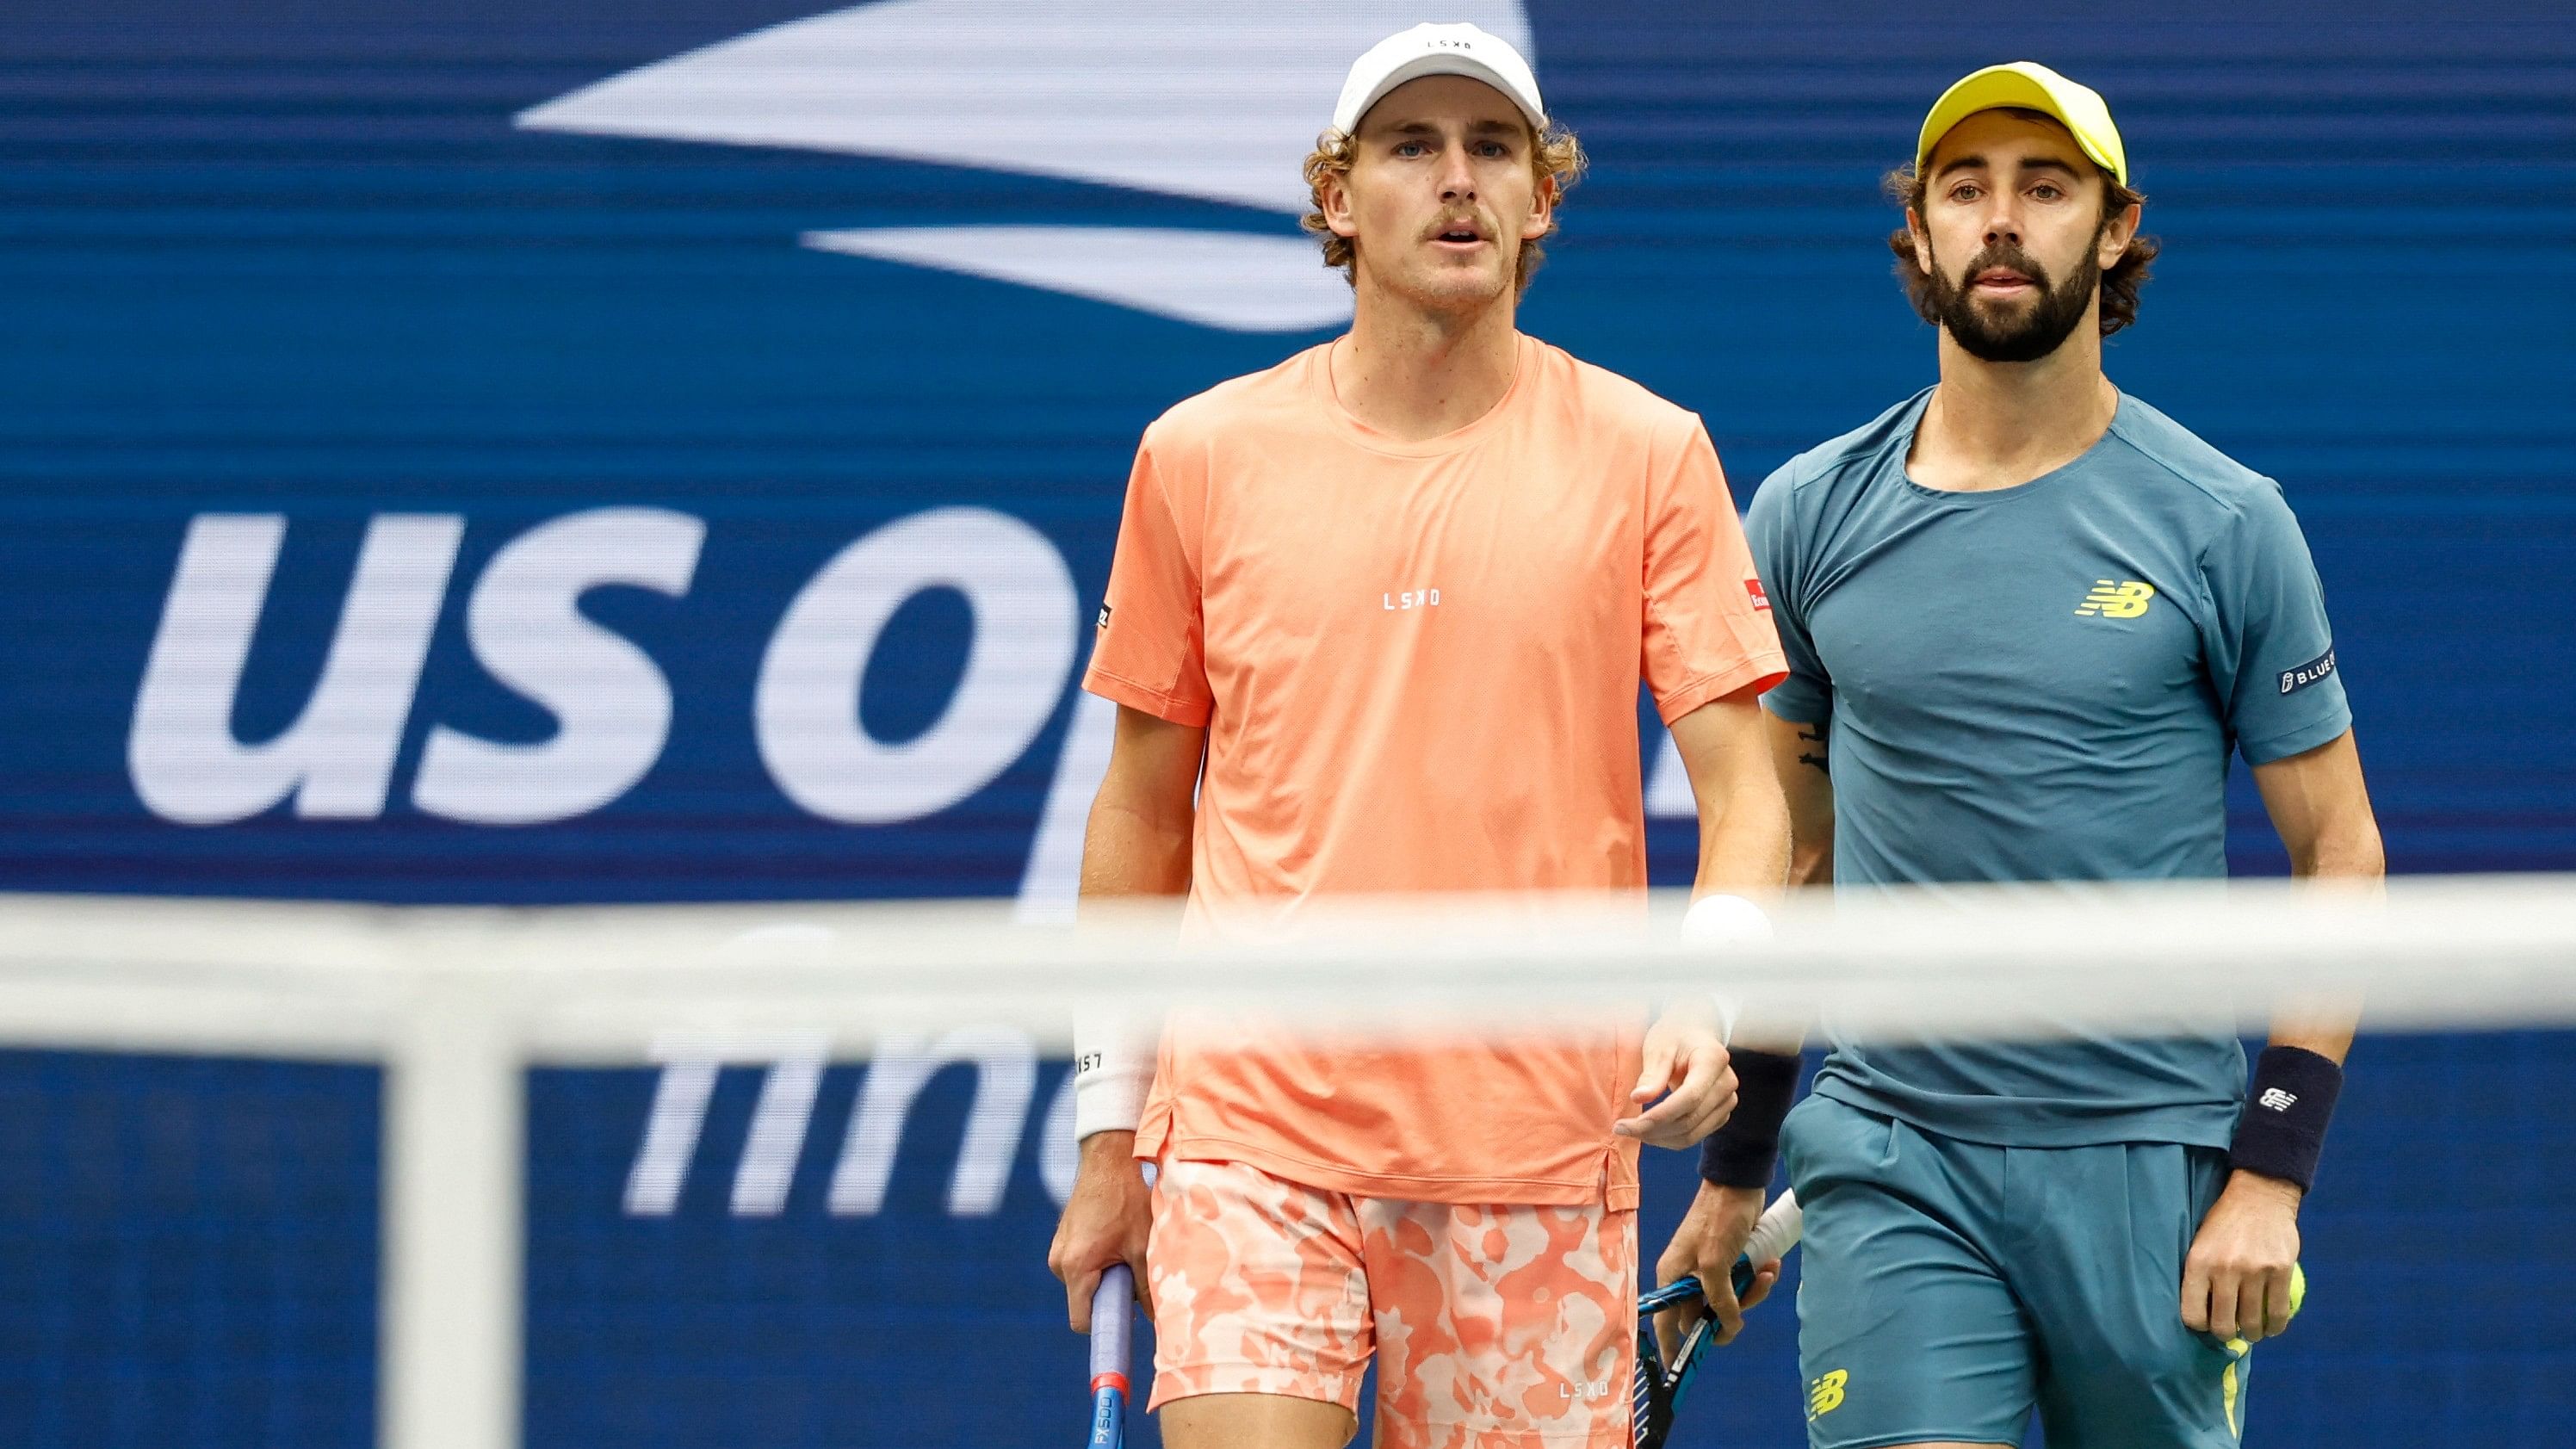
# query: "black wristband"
[[1743, 1152], [2287, 1107]]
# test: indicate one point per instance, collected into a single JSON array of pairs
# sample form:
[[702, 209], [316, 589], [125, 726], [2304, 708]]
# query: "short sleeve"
[[1148, 648], [2270, 650], [1707, 628], [1806, 694]]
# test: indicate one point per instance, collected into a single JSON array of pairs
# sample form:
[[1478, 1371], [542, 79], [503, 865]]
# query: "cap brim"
[[1430, 65], [2003, 89]]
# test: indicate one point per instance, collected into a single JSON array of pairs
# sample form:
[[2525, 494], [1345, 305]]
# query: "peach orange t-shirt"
[[1418, 664]]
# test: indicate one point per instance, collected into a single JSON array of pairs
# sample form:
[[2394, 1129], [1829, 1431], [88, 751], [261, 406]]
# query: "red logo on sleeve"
[[1761, 600]]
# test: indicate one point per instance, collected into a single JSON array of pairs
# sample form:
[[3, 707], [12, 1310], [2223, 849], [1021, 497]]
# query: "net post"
[[450, 1359]]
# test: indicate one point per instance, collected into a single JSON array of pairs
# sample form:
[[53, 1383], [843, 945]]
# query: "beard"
[[2035, 333]]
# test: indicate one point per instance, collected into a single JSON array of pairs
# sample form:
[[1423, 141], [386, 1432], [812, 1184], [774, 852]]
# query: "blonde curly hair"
[[1555, 155]]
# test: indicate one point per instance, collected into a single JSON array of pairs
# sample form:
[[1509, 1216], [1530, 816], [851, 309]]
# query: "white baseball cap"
[[1437, 50]]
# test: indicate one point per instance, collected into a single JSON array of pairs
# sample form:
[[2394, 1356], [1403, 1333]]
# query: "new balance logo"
[[1826, 1394], [2274, 1099], [2109, 600]]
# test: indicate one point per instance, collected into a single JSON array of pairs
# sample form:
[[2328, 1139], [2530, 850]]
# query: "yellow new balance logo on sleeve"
[[1826, 1394], [2116, 601]]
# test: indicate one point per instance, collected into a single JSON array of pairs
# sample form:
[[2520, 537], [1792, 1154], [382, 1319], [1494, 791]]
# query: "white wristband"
[[1113, 1069], [1726, 920]]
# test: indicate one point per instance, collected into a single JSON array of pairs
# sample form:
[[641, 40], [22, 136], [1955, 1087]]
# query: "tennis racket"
[[1657, 1393], [1112, 1316]]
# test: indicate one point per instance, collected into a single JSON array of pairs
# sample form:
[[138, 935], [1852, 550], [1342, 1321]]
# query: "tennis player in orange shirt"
[[1377, 622]]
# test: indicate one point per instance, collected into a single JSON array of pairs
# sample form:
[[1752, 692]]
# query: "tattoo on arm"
[[1814, 735]]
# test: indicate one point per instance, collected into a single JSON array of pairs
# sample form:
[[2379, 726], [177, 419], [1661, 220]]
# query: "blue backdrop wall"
[[567, 451]]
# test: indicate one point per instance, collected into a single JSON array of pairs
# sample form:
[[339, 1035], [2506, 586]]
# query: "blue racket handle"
[[1112, 1324], [1683, 1290], [1109, 1418]]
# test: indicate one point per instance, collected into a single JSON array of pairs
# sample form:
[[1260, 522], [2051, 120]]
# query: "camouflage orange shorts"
[[1492, 1327]]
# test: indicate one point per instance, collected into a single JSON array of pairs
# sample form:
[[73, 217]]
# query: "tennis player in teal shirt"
[[2028, 619]]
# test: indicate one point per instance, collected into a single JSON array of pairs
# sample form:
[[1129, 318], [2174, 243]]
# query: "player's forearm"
[[2342, 854], [1130, 849], [2321, 1027], [2321, 808], [2319, 1022], [1743, 822], [1745, 829], [1744, 852], [2346, 851], [1106, 1150], [1744, 843], [2322, 811]]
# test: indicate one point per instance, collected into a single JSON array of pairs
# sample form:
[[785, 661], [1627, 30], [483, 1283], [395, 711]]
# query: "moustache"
[[1473, 221], [2010, 257]]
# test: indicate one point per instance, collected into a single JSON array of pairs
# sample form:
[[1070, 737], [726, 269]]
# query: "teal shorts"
[[1948, 1288]]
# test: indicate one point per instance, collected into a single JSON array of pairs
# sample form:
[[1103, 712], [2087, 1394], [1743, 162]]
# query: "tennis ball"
[[2298, 1288]]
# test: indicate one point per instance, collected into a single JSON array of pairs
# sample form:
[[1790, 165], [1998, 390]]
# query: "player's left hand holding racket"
[[1112, 1317]]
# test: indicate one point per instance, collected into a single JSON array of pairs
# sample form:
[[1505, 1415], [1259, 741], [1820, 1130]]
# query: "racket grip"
[[1773, 1237], [1778, 1231], [1112, 1324]]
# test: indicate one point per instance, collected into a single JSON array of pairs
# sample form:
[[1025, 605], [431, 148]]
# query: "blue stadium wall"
[[668, 528]]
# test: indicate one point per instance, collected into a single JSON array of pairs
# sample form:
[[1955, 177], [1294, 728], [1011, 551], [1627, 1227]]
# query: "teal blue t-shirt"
[[2043, 683]]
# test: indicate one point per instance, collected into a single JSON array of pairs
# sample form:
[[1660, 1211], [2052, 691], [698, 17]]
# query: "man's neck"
[[2001, 424], [1412, 373]]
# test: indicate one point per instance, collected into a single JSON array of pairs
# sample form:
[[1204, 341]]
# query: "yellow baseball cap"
[[2028, 85]]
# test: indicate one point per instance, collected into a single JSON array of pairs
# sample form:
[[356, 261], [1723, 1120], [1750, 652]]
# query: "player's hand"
[[2236, 1281], [1686, 1066], [1705, 1246], [1104, 1222]]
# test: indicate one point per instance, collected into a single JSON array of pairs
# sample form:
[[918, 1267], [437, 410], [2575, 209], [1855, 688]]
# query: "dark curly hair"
[[2120, 280]]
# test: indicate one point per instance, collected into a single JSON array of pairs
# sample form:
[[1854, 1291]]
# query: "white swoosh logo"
[[1212, 99], [1239, 281]]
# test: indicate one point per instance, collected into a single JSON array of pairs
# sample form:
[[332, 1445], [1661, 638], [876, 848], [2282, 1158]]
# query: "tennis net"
[[314, 1174]]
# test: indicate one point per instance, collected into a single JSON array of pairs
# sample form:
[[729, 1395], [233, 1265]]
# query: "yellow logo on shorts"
[[2116, 601], [1826, 1394]]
